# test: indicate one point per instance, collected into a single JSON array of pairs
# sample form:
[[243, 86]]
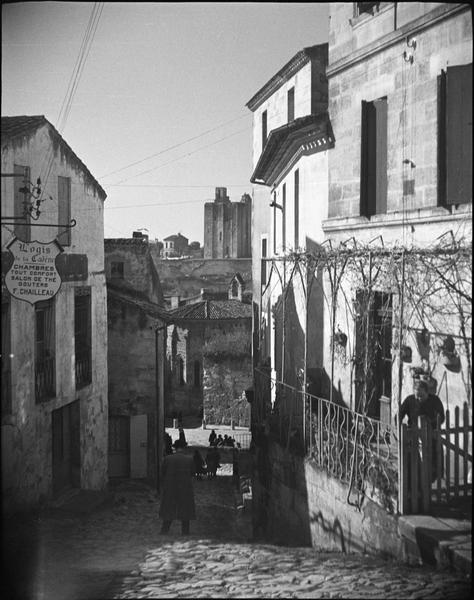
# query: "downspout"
[[160, 353], [401, 507]]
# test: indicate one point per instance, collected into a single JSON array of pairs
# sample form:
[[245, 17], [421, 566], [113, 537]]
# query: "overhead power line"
[[183, 156], [191, 139]]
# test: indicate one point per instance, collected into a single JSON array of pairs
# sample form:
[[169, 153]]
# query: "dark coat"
[[177, 501]]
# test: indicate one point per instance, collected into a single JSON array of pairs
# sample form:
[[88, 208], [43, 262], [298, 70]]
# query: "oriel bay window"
[[45, 354], [82, 336]]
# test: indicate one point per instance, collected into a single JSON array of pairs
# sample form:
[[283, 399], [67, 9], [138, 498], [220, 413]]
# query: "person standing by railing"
[[423, 404]]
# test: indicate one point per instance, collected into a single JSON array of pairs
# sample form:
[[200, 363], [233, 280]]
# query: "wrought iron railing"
[[83, 369], [354, 448], [45, 380]]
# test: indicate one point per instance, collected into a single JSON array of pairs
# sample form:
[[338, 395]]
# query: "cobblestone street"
[[116, 551]]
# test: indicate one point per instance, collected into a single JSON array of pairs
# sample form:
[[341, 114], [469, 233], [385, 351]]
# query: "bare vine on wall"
[[434, 282]]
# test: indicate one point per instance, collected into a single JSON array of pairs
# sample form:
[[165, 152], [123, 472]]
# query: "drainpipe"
[[160, 353]]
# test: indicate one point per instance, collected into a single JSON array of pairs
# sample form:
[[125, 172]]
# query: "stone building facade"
[[54, 351], [135, 359], [399, 203], [209, 359], [400, 175], [227, 226]]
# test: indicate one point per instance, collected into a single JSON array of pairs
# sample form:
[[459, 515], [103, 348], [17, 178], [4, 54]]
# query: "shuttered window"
[[291, 104], [455, 135], [64, 210], [6, 360], [82, 336], [45, 350], [297, 208], [263, 267], [264, 129], [373, 171], [21, 203], [274, 223], [283, 218]]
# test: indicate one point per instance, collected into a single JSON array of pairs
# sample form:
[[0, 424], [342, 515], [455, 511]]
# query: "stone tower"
[[227, 231]]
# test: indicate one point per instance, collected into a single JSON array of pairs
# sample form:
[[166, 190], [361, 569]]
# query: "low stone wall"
[[302, 505]]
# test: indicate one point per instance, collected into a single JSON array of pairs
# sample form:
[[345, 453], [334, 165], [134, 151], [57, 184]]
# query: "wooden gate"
[[436, 465]]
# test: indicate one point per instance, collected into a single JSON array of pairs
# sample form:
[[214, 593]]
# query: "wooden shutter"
[[291, 104], [459, 134], [297, 209], [21, 201], [274, 223], [64, 210], [264, 129], [380, 110], [263, 268]]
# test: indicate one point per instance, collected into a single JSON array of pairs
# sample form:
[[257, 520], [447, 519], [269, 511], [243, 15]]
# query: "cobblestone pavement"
[[116, 551]]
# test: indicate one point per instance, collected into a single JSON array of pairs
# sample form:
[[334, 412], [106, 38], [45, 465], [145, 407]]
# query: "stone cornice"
[[291, 67], [423, 22]]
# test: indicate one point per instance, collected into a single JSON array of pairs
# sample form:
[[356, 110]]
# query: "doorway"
[[66, 447]]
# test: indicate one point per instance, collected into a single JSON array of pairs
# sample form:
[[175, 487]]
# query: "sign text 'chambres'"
[[33, 275]]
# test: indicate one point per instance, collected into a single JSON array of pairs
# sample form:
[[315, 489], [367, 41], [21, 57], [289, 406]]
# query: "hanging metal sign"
[[33, 275]]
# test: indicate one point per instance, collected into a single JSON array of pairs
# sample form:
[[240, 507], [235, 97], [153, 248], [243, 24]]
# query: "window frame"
[[45, 351], [290, 103], [374, 157], [64, 210], [82, 337]]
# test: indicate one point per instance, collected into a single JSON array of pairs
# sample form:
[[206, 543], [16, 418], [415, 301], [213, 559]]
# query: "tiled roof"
[[14, 127], [212, 310], [136, 299]]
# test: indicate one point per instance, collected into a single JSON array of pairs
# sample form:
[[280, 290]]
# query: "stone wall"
[[139, 271], [186, 277], [299, 504], [27, 437], [132, 368]]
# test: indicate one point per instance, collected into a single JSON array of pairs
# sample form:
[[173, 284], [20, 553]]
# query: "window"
[[283, 217], [45, 342], [82, 336], [291, 104], [6, 360], [367, 7], [373, 170], [264, 128], [197, 373], [263, 267], [64, 210], [455, 135], [297, 208], [274, 223], [116, 270], [21, 203]]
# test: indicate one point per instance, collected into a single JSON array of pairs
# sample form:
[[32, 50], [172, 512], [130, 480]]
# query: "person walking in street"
[[181, 441], [212, 438], [177, 501], [423, 404], [199, 464], [212, 460]]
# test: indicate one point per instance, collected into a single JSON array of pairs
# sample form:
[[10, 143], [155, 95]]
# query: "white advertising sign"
[[33, 275]]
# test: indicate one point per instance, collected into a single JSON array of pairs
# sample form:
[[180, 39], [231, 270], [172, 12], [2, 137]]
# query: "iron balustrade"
[[352, 447], [45, 381], [83, 369]]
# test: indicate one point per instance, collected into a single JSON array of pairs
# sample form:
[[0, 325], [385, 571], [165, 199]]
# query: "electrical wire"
[[174, 146]]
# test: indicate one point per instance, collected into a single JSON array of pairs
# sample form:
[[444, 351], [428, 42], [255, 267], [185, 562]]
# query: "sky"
[[157, 109]]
